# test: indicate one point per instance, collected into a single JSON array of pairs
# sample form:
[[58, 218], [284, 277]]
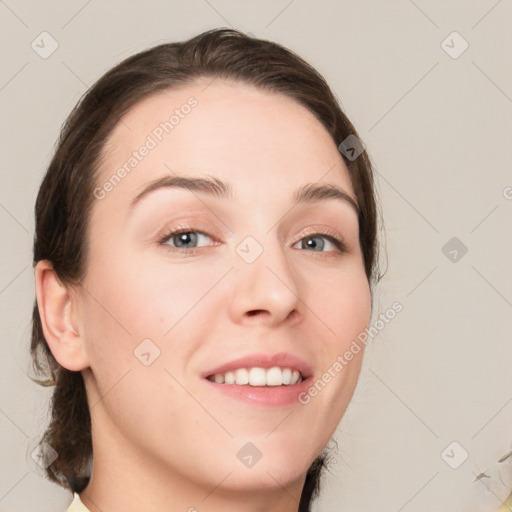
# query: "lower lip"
[[264, 395]]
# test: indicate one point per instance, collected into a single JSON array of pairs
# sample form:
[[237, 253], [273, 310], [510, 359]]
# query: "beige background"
[[438, 129]]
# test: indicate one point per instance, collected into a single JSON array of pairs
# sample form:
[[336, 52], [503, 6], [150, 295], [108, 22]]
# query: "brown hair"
[[65, 197]]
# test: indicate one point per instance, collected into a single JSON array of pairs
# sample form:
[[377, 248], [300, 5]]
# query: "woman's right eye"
[[183, 239]]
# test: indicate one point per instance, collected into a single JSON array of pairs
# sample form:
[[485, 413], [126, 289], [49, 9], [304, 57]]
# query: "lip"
[[272, 396], [282, 359]]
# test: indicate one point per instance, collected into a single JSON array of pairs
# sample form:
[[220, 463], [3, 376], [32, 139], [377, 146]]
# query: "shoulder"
[[77, 505]]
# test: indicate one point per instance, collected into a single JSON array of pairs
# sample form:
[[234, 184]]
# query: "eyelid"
[[318, 230], [196, 225]]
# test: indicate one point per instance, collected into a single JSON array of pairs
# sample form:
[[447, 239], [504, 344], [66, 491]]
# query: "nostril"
[[254, 312]]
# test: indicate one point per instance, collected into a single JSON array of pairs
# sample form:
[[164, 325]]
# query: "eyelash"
[[340, 245]]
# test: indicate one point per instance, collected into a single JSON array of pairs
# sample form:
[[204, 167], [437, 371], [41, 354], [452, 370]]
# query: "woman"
[[205, 254]]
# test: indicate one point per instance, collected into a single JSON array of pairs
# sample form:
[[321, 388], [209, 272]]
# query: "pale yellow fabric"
[[77, 505], [507, 506]]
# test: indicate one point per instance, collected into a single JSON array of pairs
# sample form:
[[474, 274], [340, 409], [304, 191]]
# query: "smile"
[[257, 376]]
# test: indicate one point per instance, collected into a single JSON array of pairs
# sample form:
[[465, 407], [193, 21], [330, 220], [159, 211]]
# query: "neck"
[[124, 479]]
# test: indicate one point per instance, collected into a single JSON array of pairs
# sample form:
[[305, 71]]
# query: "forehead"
[[242, 134]]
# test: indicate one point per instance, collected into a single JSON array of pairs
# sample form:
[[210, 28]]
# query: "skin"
[[162, 438]]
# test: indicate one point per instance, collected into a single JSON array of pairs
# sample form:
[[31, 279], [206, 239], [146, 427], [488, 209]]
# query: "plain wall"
[[438, 128]]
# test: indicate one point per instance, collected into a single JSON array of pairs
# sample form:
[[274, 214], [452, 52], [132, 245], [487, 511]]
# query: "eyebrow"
[[308, 193]]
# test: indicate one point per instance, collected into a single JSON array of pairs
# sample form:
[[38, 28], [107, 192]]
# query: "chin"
[[275, 469], [272, 477]]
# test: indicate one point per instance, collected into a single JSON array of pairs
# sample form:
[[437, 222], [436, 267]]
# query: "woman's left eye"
[[317, 241]]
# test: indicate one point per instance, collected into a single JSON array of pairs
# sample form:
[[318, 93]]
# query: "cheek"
[[343, 304], [132, 300], [344, 311]]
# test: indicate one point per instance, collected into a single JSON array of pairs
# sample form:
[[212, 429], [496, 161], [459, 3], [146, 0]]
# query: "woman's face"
[[254, 280]]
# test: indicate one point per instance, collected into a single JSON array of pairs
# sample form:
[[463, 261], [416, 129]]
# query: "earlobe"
[[60, 327]]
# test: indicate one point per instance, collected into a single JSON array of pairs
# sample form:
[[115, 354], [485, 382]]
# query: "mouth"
[[262, 379], [257, 377]]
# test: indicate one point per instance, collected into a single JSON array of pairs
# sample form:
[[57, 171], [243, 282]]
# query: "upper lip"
[[281, 359]]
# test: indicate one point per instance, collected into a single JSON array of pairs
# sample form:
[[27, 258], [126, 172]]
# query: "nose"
[[266, 291]]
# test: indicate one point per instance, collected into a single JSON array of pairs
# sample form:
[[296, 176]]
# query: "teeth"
[[242, 376], [257, 377], [274, 376]]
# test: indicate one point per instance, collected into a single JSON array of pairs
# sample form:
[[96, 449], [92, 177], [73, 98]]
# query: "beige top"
[[77, 505]]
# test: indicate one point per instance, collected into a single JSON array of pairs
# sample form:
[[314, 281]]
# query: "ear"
[[58, 312]]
